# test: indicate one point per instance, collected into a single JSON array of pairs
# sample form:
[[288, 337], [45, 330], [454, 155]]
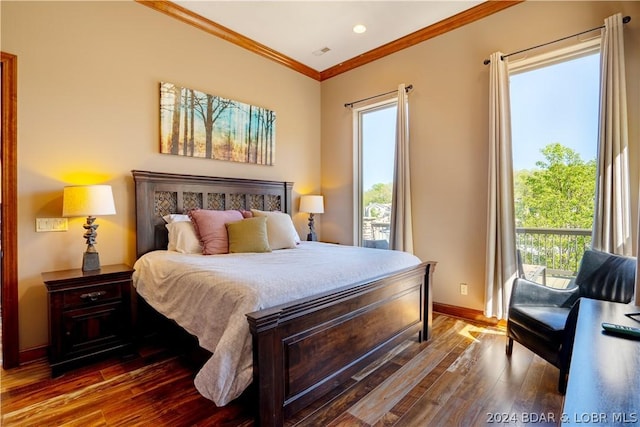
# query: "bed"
[[300, 349]]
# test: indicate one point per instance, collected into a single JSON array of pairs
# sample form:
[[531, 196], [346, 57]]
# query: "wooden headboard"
[[159, 194]]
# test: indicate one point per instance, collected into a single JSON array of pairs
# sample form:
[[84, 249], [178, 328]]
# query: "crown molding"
[[463, 18], [456, 21], [180, 13]]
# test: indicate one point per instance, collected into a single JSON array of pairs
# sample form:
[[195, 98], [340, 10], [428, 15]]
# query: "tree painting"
[[197, 124]]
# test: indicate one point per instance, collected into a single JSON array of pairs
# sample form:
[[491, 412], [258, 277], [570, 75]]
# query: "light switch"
[[51, 224]]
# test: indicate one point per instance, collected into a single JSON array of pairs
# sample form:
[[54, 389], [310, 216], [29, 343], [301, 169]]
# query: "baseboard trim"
[[467, 314], [33, 354]]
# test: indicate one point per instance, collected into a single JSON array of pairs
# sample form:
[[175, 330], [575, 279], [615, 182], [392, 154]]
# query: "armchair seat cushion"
[[541, 329], [546, 321]]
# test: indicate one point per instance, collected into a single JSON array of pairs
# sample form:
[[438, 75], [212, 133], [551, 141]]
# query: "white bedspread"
[[209, 295]]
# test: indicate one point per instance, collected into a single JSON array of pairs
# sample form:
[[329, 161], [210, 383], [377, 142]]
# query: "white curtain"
[[401, 233], [612, 218], [501, 252]]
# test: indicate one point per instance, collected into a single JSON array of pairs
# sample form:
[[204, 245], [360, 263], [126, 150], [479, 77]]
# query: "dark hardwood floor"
[[461, 377]]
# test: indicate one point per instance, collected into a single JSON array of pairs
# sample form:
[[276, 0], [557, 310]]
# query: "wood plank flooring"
[[461, 377]]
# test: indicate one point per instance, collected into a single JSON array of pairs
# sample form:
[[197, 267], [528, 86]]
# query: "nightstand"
[[89, 315]]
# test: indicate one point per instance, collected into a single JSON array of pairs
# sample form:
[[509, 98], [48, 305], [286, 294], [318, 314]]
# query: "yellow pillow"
[[248, 235]]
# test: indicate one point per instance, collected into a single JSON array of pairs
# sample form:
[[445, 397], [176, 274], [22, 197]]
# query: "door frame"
[[9, 211]]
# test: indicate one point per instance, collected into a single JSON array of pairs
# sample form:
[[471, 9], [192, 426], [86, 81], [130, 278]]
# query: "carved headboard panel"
[[159, 194]]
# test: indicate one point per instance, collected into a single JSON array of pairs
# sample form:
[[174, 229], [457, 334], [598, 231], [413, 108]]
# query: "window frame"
[[556, 56]]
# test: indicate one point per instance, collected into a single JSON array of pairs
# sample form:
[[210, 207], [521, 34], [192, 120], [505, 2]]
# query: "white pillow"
[[280, 229], [175, 218], [183, 238]]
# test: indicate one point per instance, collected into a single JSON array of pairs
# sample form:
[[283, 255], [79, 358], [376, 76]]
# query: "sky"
[[379, 134], [557, 103]]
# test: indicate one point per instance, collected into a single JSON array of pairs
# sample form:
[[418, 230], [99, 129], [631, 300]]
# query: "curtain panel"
[[401, 233], [501, 251], [612, 215]]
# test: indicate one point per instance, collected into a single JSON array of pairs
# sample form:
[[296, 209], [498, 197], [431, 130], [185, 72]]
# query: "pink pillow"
[[211, 229]]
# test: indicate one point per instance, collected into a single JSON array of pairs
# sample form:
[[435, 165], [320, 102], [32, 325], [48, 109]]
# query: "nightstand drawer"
[[91, 295]]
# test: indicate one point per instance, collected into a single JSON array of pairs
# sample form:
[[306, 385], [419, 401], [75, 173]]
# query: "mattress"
[[209, 295]]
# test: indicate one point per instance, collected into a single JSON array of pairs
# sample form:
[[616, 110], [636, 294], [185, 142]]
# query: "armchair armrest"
[[526, 292]]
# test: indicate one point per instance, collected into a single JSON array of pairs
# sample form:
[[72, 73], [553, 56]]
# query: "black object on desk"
[[634, 316]]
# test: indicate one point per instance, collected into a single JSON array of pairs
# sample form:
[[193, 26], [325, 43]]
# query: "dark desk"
[[604, 377]]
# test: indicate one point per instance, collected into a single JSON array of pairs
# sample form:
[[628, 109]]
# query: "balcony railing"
[[558, 249]]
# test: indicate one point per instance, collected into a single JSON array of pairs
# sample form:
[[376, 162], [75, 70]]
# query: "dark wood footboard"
[[303, 350]]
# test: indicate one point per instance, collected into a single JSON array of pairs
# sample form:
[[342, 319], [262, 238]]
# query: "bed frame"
[[303, 349]]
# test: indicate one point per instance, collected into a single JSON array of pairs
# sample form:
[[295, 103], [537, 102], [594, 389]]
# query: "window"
[[554, 123], [375, 153]]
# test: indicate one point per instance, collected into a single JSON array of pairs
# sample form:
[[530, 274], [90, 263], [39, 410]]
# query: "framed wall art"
[[196, 124]]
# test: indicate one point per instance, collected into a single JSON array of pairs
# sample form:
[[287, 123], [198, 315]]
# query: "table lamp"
[[312, 205], [89, 201]]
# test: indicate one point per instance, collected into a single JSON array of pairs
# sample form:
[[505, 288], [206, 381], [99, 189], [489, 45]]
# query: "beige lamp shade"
[[312, 204], [88, 200]]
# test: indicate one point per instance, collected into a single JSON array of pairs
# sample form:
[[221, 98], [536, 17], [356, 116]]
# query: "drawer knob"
[[93, 296]]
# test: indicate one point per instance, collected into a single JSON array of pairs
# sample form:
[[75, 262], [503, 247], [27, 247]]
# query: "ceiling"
[[298, 28]]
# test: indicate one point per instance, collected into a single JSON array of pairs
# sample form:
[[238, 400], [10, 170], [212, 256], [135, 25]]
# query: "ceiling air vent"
[[322, 51]]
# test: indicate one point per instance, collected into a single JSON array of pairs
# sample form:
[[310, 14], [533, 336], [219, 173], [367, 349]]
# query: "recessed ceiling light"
[[359, 29]]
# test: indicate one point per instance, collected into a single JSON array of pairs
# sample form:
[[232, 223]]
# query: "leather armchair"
[[543, 319]]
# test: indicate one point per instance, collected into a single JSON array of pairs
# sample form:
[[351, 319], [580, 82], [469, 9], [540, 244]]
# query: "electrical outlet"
[[464, 290]]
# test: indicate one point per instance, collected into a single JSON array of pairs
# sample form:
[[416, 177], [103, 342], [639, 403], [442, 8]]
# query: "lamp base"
[[90, 261], [311, 237]]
